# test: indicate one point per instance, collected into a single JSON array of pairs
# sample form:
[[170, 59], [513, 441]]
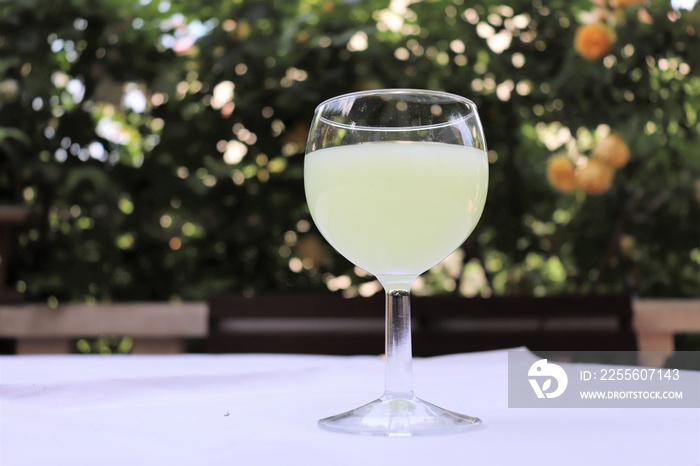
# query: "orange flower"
[[595, 177], [561, 173], [593, 41], [624, 3], [612, 150]]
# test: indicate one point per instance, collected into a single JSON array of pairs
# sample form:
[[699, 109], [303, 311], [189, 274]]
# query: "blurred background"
[[153, 150]]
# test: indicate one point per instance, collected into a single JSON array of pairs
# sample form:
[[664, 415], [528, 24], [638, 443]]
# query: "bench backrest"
[[331, 324]]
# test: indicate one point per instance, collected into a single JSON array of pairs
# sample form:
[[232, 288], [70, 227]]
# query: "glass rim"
[[397, 91]]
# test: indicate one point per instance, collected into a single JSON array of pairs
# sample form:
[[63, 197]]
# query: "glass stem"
[[399, 367]]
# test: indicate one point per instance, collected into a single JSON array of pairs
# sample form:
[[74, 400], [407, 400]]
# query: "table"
[[262, 410]]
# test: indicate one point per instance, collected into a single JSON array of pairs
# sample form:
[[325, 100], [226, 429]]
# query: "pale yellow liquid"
[[396, 208]]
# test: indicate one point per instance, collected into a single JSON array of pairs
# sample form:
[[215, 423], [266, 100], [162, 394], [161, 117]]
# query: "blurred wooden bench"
[[156, 328], [553, 323], [657, 321], [303, 323], [330, 324]]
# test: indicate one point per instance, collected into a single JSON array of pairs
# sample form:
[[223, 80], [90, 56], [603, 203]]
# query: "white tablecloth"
[[262, 410]]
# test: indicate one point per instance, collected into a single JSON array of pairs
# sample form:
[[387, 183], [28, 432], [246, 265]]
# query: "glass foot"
[[399, 417]]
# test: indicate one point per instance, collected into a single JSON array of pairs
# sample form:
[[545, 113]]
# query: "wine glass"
[[396, 180]]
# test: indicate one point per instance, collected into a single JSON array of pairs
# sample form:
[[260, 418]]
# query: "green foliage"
[[161, 144]]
